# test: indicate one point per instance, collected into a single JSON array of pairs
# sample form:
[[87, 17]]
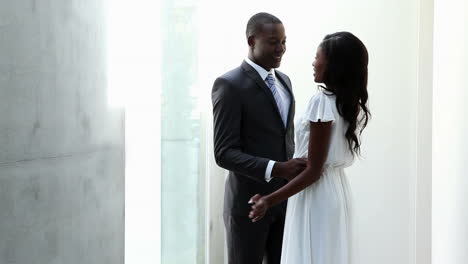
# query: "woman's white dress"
[[318, 228]]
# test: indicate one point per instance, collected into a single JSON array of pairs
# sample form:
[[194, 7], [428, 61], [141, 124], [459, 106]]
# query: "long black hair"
[[346, 77]]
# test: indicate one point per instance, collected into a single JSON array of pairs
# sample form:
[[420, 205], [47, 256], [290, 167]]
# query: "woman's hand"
[[259, 207]]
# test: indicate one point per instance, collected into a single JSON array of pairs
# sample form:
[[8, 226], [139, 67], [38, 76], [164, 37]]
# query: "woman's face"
[[319, 65]]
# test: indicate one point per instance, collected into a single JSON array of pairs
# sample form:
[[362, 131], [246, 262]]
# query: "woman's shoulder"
[[321, 106], [322, 95]]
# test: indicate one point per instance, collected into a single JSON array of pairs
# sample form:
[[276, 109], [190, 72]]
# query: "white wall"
[[450, 130], [62, 146], [384, 181], [423, 196]]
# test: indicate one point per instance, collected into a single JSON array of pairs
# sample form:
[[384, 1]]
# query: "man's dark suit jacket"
[[248, 132]]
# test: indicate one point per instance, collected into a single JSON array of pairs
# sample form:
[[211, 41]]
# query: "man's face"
[[268, 46]]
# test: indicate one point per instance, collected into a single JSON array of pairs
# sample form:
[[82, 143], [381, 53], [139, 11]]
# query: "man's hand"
[[289, 169]]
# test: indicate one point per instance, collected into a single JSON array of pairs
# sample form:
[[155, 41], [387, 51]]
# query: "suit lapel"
[[286, 85], [252, 73]]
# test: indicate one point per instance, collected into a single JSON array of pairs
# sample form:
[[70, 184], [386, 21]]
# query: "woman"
[[317, 228]]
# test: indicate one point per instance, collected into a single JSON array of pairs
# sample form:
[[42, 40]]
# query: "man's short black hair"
[[254, 26]]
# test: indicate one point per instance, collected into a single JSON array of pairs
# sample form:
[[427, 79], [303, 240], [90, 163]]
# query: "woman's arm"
[[319, 142]]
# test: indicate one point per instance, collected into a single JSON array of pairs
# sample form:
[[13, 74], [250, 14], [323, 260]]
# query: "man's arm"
[[227, 117]]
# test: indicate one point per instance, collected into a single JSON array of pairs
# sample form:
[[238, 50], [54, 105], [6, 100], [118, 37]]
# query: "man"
[[253, 109]]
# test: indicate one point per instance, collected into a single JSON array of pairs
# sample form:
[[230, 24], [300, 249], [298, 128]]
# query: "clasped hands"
[[287, 170]]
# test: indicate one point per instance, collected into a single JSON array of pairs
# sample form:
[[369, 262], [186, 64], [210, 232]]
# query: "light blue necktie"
[[271, 83]]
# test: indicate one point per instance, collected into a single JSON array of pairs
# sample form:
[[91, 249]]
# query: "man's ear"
[[251, 41]]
